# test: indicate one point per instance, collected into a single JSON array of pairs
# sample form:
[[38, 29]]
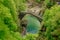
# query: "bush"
[[49, 3], [38, 1], [7, 23], [20, 4], [12, 7], [6, 17], [51, 20], [30, 36]]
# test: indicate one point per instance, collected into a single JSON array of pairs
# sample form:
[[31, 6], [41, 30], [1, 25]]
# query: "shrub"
[[38, 1], [5, 15], [30, 36], [20, 4], [12, 6], [7, 23], [49, 3], [51, 20]]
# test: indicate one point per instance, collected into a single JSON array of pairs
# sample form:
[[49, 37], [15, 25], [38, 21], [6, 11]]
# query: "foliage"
[[51, 20], [38, 1], [20, 4], [11, 5], [7, 21], [9, 17], [7, 24], [30, 36], [49, 3], [5, 15]]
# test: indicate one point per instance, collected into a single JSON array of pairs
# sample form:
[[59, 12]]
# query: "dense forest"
[[29, 19]]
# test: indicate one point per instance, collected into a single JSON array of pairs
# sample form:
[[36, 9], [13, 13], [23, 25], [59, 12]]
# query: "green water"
[[33, 25]]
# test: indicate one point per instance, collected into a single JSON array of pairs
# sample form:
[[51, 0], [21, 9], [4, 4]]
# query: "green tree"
[[7, 21], [51, 20]]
